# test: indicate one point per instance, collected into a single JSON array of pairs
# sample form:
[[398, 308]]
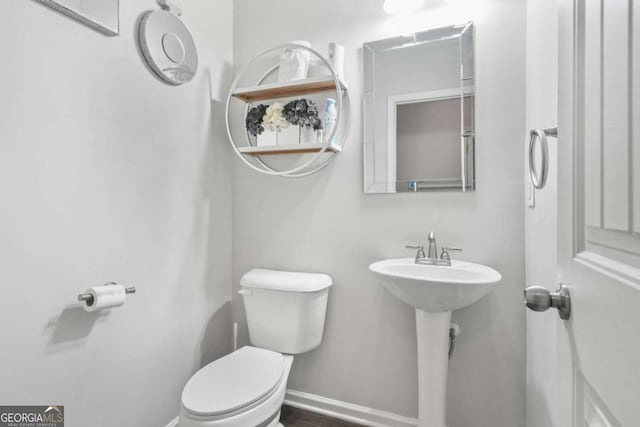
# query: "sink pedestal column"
[[433, 362]]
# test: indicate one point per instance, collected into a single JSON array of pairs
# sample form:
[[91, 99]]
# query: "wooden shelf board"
[[288, 149], [288, 89]]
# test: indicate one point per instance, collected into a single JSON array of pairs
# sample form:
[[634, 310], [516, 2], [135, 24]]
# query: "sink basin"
[[434, 291], [436, 288]]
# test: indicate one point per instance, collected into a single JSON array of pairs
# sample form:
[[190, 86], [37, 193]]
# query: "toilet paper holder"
[[89, 298]]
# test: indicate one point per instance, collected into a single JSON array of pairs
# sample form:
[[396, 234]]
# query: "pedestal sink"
[[434, 291]]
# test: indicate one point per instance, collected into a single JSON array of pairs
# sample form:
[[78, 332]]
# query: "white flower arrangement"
[[274, 119]]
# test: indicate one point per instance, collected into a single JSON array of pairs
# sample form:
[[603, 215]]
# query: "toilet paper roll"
[[105, 297]]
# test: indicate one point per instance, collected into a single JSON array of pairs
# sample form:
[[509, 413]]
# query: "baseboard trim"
[[341, 410], [346, 411]]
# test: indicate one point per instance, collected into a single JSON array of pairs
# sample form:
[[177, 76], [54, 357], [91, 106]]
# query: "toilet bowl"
[[285, 316], [244, 388]]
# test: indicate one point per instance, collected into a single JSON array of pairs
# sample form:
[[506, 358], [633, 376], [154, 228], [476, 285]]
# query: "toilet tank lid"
[[285, 280]]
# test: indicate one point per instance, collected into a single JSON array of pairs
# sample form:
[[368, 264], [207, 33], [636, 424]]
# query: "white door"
[[599, 212]]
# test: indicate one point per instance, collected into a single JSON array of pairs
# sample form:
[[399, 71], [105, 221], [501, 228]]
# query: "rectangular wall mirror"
[[419, 98], [101, 15]]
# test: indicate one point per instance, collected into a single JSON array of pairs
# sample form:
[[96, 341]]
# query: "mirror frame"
[[108, 28], [371, 185]]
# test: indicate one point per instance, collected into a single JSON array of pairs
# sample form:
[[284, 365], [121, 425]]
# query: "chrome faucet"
[[433, 247], [432, 253]]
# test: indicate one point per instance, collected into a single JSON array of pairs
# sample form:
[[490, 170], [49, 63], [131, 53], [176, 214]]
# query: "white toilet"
[[285, 315]]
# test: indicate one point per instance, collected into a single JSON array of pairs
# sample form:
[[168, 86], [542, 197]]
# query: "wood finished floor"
[[294, 417]]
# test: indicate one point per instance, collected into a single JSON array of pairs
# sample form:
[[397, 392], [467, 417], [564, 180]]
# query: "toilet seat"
[[233, 383]]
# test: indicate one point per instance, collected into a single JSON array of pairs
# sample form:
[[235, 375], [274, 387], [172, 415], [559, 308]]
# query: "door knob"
[[538, 298]]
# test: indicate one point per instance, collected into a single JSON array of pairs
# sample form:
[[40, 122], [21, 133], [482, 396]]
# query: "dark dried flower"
[[304, 113], [253, 121]]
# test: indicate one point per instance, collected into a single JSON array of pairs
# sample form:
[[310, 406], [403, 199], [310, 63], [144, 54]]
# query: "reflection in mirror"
[[419, 112], [101, 15]]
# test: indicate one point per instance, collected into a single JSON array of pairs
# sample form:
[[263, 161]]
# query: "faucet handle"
[[431, 237], [445, 251], [420, 249]]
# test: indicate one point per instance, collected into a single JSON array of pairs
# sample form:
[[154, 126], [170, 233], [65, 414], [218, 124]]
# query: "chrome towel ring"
[[540, 180]]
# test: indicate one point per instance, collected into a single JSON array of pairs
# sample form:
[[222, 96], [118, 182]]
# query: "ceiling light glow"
[[401, 7]]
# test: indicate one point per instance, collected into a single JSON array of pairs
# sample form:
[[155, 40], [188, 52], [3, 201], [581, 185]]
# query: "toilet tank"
[[285, 310]]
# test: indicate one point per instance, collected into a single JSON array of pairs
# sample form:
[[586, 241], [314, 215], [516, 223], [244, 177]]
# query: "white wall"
[[108, 174], [324, 222], [541, 221]]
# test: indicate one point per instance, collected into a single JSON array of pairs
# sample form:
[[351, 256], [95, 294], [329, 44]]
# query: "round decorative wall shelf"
[[311, 157]]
